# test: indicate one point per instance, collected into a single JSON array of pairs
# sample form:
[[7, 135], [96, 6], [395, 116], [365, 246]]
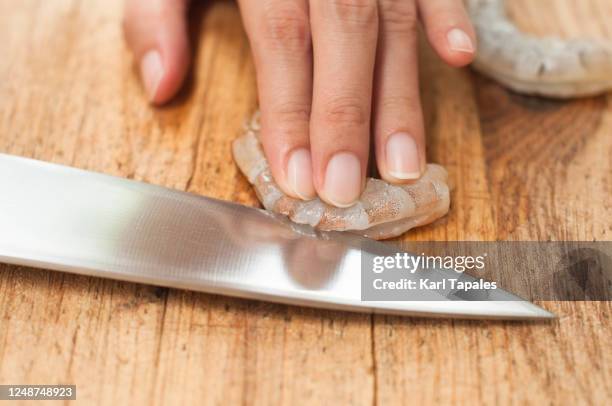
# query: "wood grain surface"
[[522, 169]]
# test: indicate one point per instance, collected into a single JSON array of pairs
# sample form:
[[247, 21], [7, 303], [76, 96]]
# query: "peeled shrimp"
[[549, 66], [383, 211]]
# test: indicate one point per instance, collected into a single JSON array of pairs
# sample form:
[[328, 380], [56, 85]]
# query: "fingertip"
[[402, 161], [461, 47], [160, 45], [299, 175], [343, 181], [161, 76], [455, 46], [173, 50], [286, 147], [152, 73], [449, 30], [167, 78]]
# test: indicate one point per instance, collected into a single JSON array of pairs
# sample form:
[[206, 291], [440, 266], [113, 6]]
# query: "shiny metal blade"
[[71, 220]]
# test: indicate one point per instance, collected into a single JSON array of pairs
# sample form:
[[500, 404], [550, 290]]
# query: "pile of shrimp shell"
[[548, 66]]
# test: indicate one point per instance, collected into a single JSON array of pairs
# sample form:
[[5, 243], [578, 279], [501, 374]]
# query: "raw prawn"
[[383, 211]]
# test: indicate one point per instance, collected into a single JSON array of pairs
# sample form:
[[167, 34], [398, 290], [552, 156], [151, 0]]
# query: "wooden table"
[[522, 169]]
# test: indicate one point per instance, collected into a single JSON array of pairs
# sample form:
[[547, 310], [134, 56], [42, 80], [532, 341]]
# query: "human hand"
[[329, 74]]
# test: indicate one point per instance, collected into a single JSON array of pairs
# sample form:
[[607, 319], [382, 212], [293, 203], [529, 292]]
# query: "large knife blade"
[[71, 220]]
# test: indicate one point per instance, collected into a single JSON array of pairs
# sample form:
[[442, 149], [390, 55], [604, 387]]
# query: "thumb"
[[156, 32]]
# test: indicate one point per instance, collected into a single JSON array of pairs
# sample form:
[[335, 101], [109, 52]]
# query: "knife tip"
[[539, 313]]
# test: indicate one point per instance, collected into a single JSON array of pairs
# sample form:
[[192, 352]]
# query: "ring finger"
[[398, 120]]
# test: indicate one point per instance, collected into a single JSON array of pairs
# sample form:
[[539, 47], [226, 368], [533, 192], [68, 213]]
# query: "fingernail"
[[343, 180], [299, 174], [459, 41], [152, 70], [403, 157]]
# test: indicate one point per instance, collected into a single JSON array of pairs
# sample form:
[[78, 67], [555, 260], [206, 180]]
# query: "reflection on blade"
[[71, 220]]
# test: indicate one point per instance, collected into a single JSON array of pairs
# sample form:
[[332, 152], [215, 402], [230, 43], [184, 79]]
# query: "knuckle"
[[398, 16], [346, 111], [361, 12], [286, 27], [290, 113], [404, 103]]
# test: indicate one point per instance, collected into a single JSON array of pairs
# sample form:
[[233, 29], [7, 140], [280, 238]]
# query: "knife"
[[66, 219]]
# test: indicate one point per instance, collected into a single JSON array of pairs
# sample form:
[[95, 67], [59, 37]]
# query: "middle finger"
[[344, 36]]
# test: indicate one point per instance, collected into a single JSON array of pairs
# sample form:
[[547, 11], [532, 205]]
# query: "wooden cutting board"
[[522, 169]]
